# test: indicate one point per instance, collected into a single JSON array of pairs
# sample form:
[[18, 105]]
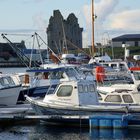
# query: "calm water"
[[44, 132], [41, 131]]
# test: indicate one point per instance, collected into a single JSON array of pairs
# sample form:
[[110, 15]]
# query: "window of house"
[[64, 91], [127, 99], [136, 43], [113, 98]]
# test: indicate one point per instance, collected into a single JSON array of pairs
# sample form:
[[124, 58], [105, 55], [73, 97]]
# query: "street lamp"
[[126, 51]]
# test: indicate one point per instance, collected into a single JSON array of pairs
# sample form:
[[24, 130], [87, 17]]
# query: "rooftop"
[[127, 37]]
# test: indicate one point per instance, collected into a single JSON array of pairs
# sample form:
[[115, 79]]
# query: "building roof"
[[127, 37]]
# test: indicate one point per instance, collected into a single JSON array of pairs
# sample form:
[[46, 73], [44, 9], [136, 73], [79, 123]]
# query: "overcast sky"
[[114, 17]]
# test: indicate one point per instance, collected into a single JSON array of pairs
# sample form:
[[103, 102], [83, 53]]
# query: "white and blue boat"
[[72, 98], [43, 79], [9, 90]]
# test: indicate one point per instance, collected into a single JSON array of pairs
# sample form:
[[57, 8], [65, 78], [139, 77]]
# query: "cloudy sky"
[[114, 17]]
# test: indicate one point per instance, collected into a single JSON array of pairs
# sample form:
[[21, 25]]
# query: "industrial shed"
[[128, 39]]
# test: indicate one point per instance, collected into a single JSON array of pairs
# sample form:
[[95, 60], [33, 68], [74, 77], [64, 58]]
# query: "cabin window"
[[80, 89], [106, 65], [71, 72], [137, 75], [127, 99], [91, 88], [38, 75], [65, 91], [10, 80], [56, 75], [45, 76], [100, 61], [86, 88], [113, 98], [6, 81], [122, 67], [83, 89], [113, 65]]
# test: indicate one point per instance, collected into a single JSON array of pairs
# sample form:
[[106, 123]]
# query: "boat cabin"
[[74, 93], [6, 81], [121, 97], [53, 75], [118, 65]]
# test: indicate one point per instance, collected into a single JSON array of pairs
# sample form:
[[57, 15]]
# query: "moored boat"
[[9, 90], [72, 98]]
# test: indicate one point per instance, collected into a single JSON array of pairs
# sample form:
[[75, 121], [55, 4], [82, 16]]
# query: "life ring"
[[100, 74]]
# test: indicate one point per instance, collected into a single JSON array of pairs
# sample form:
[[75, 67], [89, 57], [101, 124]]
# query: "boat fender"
[[100, 74], [26, 79]]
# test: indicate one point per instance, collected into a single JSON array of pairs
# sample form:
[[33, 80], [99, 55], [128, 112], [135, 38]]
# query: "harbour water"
[[41, 131]]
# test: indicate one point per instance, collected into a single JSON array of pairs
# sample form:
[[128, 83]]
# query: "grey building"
[[129, 39], [64, 34], [7, 53]]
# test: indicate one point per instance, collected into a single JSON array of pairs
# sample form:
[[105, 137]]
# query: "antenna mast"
[[92, 15]]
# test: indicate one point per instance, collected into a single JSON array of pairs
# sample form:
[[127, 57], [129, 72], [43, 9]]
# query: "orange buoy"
[[100, 74]]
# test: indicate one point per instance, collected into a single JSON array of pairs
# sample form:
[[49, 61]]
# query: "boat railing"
[[115, 77], [121, 90]]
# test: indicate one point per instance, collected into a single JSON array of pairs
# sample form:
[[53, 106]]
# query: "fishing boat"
[[9, 90], [133, 85], [43, 79], [72, 98]]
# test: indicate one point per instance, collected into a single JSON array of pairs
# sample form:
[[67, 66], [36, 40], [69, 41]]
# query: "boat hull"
[[43, 108], [56, 114], [9, 96]]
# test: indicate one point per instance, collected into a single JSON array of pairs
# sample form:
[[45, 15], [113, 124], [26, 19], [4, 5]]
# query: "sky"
[[114, 17]]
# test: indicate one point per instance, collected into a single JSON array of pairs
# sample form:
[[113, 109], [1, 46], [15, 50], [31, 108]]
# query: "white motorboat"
[[104, 89], [9, 90], [72, 98], [41, 79]]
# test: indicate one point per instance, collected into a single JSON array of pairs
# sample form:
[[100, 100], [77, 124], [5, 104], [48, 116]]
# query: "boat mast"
[[92, 17]]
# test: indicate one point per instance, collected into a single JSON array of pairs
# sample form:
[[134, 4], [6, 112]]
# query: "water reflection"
[[59, 133], [44, 132], [108, 133]]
